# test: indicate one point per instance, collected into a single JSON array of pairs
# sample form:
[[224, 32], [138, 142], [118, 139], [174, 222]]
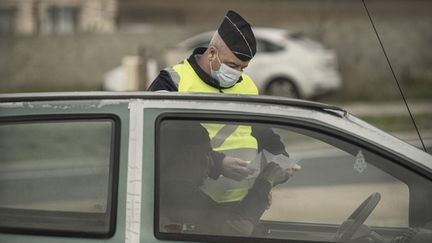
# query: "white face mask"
[[226, 75]]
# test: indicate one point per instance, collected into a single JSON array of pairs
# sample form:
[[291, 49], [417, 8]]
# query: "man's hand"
[[235, 168], [293, 170], [274, 174]]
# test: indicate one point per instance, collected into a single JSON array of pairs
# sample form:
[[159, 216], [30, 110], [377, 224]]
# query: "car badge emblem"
[[360, 162]]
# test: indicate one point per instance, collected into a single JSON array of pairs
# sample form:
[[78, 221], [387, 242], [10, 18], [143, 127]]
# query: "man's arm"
[[268, 140], [163, 82], [230, 167], [215, 168], [241, 218], [236, 219]]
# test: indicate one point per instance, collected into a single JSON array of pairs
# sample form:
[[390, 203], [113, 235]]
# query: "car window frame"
[[113, 181], [273, 120]]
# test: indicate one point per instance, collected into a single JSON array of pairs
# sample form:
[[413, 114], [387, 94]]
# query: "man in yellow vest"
[[219, 69]]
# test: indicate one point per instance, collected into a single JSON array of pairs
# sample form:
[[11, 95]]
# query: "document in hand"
[[266, 157]]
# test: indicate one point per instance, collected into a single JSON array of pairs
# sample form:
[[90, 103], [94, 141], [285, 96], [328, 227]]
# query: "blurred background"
[[323, 50]]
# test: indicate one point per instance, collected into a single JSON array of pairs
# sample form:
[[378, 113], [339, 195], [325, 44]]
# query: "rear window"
[[57, 175]]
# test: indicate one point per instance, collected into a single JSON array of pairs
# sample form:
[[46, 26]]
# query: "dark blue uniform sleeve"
[[268, 140], [216, 166], [163, 82]]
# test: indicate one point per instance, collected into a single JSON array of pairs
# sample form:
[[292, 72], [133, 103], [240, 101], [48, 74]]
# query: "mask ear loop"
[[217, 57], [211, 68]]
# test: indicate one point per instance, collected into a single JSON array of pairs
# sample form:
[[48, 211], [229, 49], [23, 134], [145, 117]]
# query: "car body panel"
[[64, 108], [138, 112], [230, 103]]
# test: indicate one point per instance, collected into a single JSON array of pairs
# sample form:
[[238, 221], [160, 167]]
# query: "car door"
[[350, 186], [62, 169]]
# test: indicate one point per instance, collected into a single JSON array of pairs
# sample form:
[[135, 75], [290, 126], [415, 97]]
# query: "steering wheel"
[[350, 226]]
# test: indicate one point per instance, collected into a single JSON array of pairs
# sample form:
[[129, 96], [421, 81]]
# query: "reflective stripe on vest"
[[232, 140], [222, 135], [239, 137]]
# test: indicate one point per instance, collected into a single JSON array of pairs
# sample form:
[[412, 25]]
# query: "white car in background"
[[286, 64]]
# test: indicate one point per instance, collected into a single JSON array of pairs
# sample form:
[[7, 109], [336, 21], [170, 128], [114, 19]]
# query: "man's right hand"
[[275, 175], [235, 168]]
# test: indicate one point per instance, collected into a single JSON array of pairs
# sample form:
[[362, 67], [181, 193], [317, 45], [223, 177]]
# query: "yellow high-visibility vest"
[[232, 140]]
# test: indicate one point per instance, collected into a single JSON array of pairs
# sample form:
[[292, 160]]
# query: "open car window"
[[342, 191]]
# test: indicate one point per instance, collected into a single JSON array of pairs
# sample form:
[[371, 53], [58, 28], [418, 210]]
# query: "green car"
[[89, 167]]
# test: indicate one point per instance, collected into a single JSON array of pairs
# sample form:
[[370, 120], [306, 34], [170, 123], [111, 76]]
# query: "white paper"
[[267, 157]]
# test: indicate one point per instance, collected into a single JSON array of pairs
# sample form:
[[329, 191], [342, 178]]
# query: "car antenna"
[[394, 76]]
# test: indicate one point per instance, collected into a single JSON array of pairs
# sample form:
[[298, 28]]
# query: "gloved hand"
[[274, 174], [235, 168]]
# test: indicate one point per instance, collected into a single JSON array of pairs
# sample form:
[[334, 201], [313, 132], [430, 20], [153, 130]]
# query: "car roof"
[[274, 34], [27, 97]]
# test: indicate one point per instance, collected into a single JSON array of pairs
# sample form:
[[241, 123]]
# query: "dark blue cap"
[[238, 36]]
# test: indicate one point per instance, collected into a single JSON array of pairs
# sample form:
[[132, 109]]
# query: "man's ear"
[[211, 53]]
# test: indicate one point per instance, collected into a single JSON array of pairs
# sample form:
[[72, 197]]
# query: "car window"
[[333, 180], [337, 177], [267, 46], [63, 170]]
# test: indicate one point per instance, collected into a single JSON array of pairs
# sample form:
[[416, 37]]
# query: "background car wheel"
[[282, 87]]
